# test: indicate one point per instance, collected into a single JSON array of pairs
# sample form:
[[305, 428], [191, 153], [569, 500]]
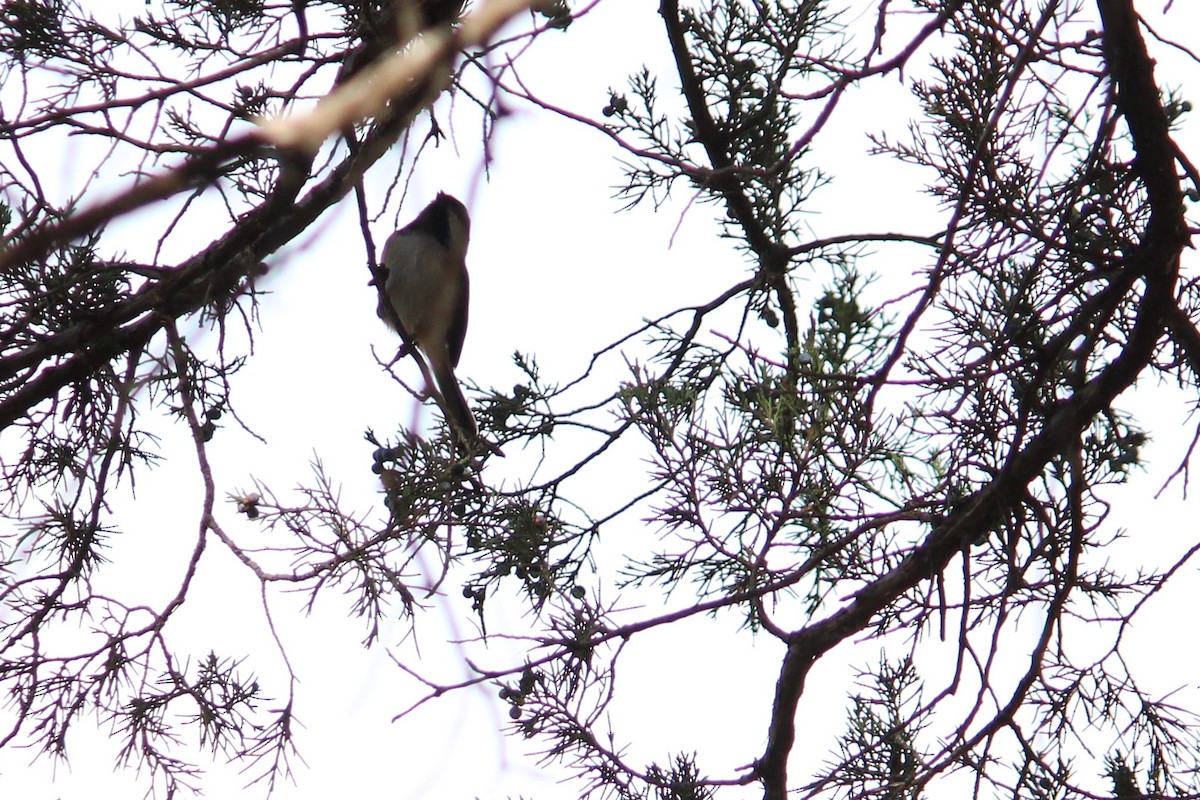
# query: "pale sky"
[[557, 272]]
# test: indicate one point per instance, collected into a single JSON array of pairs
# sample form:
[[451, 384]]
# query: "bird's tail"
[[459, 413]]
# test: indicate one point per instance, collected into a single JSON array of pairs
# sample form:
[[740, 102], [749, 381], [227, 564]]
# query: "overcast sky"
[[556, 271]]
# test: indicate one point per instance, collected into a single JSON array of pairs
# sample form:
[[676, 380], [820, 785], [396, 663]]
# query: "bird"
[[425, 294]]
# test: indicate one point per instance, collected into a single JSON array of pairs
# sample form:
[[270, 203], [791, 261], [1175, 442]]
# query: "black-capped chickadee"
[[425, 292]]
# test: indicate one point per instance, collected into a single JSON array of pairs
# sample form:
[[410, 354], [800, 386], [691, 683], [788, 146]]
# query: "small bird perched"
[[425, 293]]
